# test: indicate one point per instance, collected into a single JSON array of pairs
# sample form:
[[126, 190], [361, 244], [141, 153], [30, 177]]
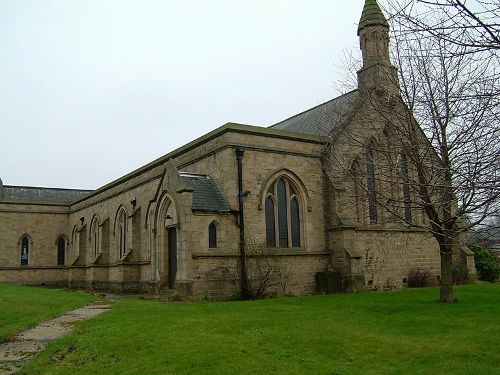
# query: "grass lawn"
[[22, 307], [404, 332]]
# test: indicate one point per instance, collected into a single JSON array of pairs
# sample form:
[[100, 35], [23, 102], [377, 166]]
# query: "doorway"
[[172, 256], [167, 251]]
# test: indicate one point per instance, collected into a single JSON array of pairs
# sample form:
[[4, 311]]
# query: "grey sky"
[[91, 90]]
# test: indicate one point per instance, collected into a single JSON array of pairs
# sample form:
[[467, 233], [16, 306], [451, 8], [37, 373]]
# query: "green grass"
[[372, 333], [22, 307]]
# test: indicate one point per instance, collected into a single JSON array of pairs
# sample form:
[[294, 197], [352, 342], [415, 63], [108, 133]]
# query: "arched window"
[[122, 233], [75, 244], [406, 187], [61, 251], [148, 233], [212, 236], [25, 249], [282, 210], [357, 191], [95, 237], [370, 185]]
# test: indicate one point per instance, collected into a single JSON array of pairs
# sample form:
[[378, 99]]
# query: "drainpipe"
[[245, 293]]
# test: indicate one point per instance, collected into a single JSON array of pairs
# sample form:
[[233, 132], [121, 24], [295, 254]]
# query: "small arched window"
[[61, 251], [282, 210], [25, 248], [212, 236]]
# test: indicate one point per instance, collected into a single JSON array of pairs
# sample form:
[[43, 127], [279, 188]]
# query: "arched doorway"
[[167, 243]]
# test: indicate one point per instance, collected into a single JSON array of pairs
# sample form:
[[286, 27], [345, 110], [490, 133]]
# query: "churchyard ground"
[[22, 307], [406, 332]]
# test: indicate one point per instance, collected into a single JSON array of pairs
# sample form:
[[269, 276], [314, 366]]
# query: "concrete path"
[[15, 353]]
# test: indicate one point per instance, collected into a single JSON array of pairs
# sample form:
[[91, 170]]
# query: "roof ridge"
[[44, 188]]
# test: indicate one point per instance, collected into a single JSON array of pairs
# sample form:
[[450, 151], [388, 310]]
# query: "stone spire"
[[372, 15], [373, 32]]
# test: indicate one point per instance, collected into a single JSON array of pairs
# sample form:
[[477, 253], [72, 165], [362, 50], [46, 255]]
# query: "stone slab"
[[16, 352]]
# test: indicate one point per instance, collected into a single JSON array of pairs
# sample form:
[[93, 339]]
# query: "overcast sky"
[[92, 90]]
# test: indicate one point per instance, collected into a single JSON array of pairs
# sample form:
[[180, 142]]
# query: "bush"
[[486, 265], [460, 274], [418, 278]]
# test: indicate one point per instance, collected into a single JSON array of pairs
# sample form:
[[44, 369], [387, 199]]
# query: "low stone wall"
[[293, 274], [44, 276]]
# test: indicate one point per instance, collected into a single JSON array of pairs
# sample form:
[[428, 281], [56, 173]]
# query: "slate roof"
[[207, 196], [323, 119], [30, 193]]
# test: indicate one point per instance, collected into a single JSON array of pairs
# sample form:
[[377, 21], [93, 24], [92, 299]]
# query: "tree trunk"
[[446, 292]]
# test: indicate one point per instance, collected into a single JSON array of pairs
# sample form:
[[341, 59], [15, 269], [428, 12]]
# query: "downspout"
[[245, 292]]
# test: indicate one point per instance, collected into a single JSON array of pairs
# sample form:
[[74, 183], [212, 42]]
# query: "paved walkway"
[[14, 354]]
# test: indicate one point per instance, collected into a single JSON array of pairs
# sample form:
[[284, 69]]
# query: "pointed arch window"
[[95, 237], [406, 187], [61, 251], [282, 211], [25, 249], [149, 233], [370, 185], [74, 244], [212, 236], [122, 233], [357, 191]]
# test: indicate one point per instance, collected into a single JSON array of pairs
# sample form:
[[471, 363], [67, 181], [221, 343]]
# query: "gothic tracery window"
[[282, 211]]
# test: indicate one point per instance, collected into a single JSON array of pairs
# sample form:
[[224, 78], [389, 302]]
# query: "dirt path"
[[14, 354]]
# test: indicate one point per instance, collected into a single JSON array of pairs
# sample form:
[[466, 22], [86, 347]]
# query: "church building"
[[294, 208]]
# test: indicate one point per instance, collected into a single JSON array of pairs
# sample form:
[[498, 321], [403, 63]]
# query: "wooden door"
[[172, 256]]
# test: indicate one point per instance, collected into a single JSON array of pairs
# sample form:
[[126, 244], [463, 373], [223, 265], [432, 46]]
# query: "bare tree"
[[473, 24], [487, 234], [449, 77]]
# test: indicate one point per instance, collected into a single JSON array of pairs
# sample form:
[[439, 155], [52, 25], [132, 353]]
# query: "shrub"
[[486, 264], [418, 278], [460, 274], [267, 272]]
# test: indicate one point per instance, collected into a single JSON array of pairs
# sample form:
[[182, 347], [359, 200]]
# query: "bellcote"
[[377, 71], [373, 32]]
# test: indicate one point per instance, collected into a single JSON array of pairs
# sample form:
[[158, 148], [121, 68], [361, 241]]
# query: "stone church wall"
[[215, 156], [263, 157], [388, 256], [43, 224], [385, 255], [107, 272]]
